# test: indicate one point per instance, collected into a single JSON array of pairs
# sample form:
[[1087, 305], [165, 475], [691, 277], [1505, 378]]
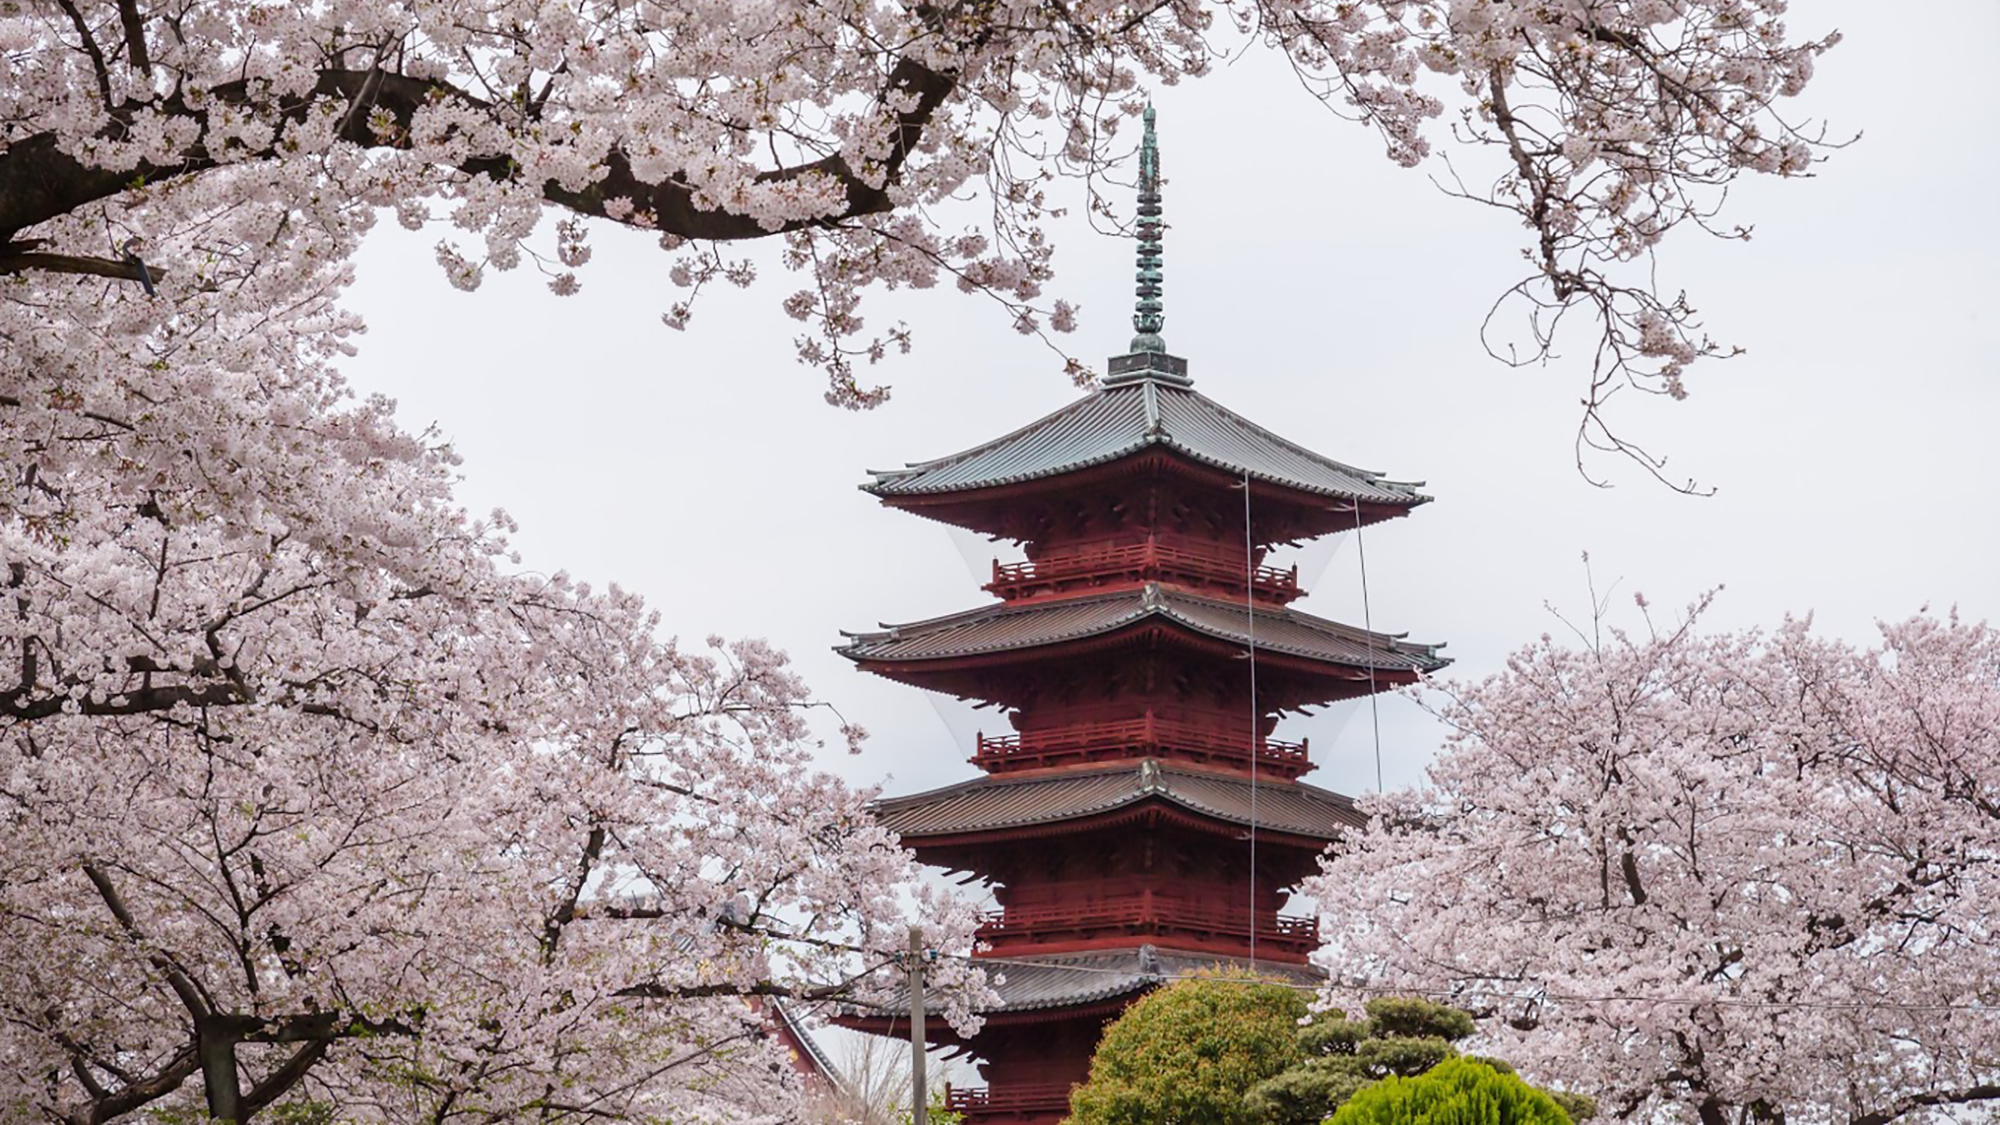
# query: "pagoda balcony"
[[1148, 915], [1128, 738], [1023, 1100], [1136, 562]]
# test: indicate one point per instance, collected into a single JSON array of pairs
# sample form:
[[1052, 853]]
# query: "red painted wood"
[[1092, 565], [955, 850], [1148, 736], [1150, 873], [1028, 1100]]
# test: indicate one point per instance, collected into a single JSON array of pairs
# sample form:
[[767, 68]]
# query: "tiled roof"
[[996, 802], [1062, 980], [802, 1038], [1007, 626], [1126, 417]]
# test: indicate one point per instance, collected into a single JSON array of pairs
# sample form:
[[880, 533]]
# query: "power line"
[[1368, 631], [1250, 640]]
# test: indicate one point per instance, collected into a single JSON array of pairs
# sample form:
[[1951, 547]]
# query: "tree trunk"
[[217, 1049]]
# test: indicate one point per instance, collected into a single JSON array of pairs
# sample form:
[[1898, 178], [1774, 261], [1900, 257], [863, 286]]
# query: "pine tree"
[[1456, 1091]]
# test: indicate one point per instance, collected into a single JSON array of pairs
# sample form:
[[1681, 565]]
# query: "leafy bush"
[[1218, 1050], [1455, 1092], [1185, 1054], [1401, 1036]]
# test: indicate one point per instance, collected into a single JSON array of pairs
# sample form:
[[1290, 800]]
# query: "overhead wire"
[[1250, 641], [1368, 632]]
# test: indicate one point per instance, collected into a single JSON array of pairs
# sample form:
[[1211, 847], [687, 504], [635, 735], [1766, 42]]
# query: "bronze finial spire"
[[1149, 318], [1148, 359]]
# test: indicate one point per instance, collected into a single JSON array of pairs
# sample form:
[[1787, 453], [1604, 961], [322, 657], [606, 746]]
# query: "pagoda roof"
[[1035, 983], [812, 1057], [1009, 626], [1126, 416], [1065, 980], [1014, 801]]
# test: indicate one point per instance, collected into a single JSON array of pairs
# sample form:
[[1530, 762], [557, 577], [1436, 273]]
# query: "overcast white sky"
[[1335, 298]]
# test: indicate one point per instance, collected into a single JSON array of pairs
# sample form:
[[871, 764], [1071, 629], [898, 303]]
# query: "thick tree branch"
[[118, 1103], [565, 913], [278, 1082], [185, 988], [135, 37], [840, 991], [89, 44], [1538, 214], [74, 263], [39, 182], [23, 706], [313, 1027], [1985, 1092]]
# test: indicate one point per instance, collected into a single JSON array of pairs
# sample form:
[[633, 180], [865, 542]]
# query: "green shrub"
[[1454, 1092], [1401, 1036], [1185, 1054], [1216, 1050]]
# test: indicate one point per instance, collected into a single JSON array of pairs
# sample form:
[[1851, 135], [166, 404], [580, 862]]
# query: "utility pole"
[[920, 1105]]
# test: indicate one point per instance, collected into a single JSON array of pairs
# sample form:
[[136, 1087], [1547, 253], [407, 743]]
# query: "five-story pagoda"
[[1138, 820]]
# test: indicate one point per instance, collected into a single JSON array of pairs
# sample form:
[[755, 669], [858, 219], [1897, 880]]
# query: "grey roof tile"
[[1062, 980], [1004, 626], [1124, 418], [997, 802]]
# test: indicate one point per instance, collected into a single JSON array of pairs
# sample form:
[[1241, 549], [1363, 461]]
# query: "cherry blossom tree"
[[309, 795], [1718, 878], [309, 798], [184, 145]]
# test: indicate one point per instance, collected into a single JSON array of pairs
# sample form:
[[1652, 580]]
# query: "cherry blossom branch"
[[191, 994], [778, 990], [1969, 1095], [109, 1105], [39, 181], [116, 268]]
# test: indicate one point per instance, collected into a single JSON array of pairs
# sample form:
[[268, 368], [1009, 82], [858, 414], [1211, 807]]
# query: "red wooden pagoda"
[[1138, 820]]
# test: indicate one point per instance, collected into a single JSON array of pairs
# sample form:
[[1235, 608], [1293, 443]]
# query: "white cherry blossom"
[[1713, 878]]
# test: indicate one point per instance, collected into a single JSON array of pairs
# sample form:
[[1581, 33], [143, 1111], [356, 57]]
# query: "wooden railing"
[[1133, 559], [1085, 742], [1040, 1097], [1147, 909]]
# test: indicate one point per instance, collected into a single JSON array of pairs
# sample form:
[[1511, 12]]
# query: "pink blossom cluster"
[[1611, 124], [1707, 878], [850, 128], [311, 796]]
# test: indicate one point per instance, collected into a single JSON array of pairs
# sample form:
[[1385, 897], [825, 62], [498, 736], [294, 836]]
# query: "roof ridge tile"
[[999, 801], [1014, 626], [1115, 421]]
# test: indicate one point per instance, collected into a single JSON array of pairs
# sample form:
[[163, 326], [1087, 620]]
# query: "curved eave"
[[984, 806], [1155, 806], [960, 506], [1101, 622], [1125, 416], [1040, 988], [923, 672], [1114, 1000]]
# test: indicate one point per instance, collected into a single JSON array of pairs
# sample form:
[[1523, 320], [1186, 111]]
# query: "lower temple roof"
[[1013, 801], [1004, 626], [1063, 980], [1041, 983]]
